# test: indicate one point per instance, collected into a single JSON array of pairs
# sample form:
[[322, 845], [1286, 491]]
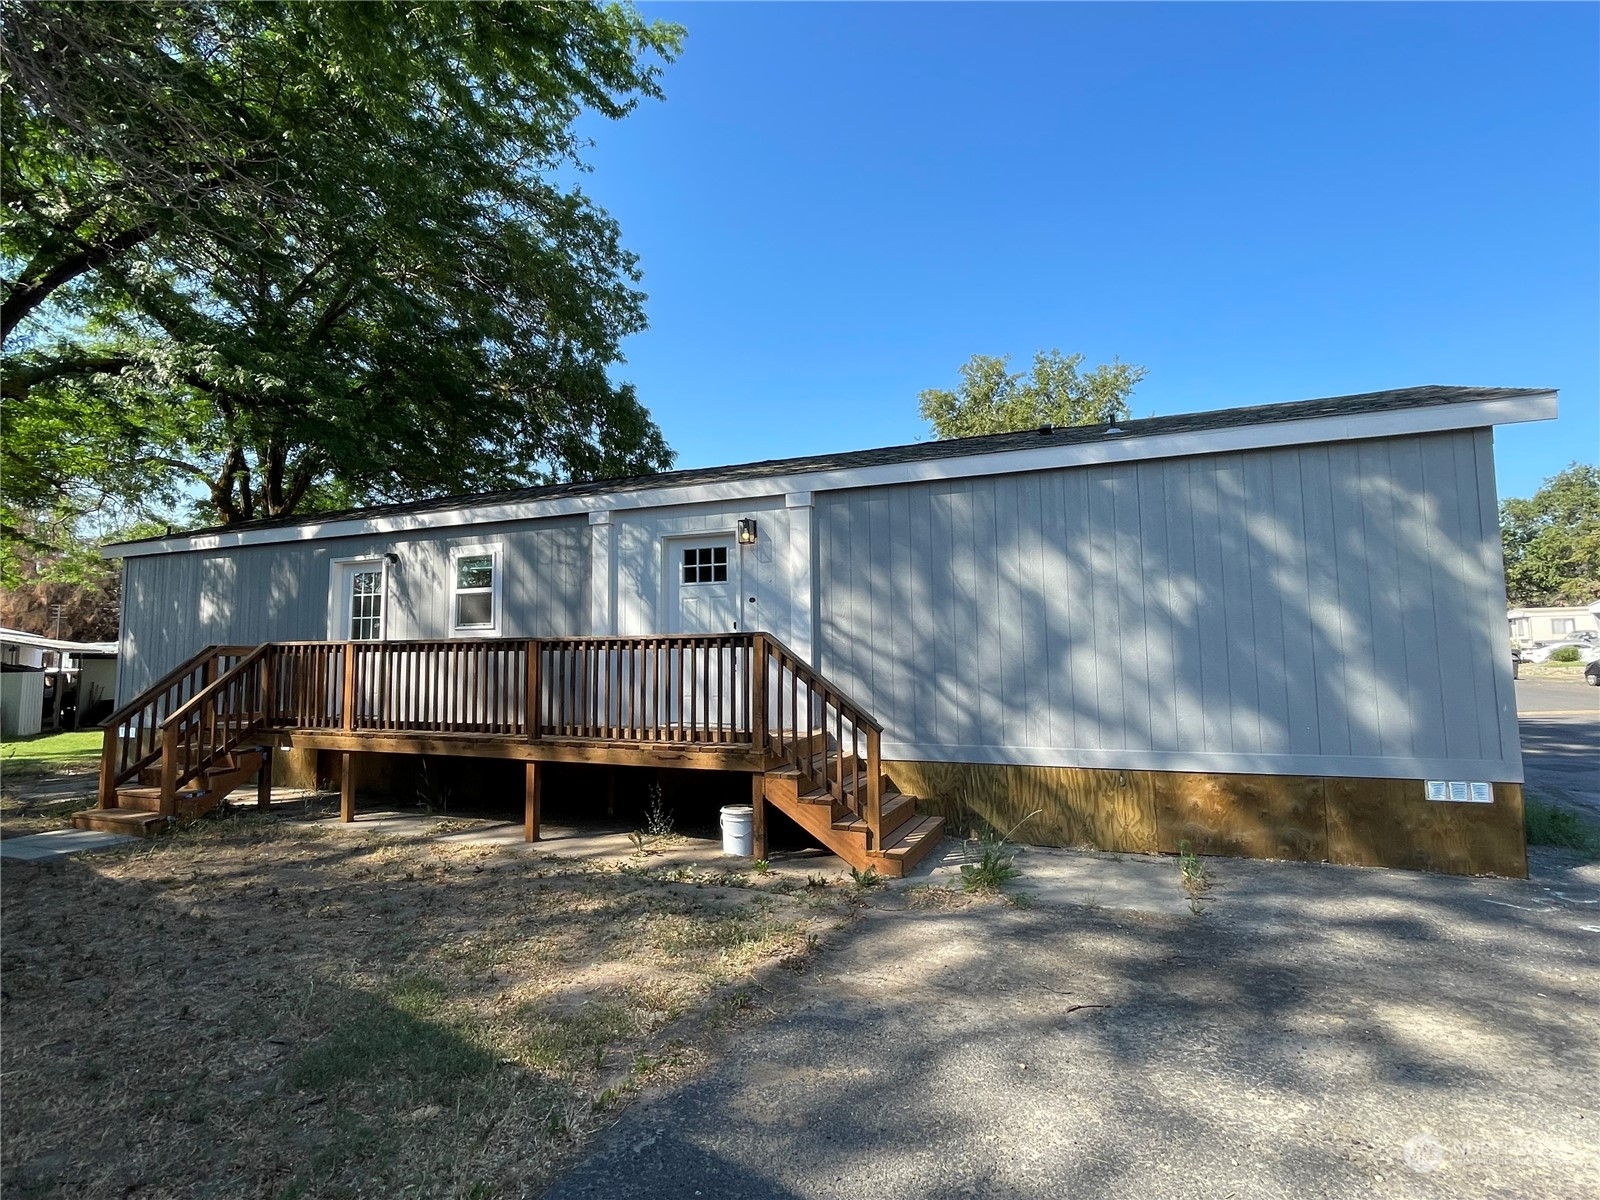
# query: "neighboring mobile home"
[[1275, 631]]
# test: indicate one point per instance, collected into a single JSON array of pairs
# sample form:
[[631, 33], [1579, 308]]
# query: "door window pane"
[[366, 605], [705, 564]]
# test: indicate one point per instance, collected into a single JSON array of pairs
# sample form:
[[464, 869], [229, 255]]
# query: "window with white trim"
[[1560, 625], [475, 596]]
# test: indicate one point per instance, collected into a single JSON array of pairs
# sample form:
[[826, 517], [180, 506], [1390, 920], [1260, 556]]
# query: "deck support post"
[[109, 748], [758, 823], [169, 771], [264, 780], [347, 787], [530, 811], [758, 695]]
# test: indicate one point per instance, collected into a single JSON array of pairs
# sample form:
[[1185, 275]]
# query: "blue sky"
[[838, 204]]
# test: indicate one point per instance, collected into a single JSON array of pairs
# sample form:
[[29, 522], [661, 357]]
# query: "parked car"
[[1591, 673], [1541, 653]]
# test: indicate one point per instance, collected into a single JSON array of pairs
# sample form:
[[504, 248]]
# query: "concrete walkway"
[[60, 843]]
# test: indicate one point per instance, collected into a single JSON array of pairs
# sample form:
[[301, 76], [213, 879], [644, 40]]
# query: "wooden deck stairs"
[[906, 837], [729, 702]]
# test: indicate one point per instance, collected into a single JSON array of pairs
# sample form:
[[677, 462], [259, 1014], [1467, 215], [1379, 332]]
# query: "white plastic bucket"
[[738, 830]]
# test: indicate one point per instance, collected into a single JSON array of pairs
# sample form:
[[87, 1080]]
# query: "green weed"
[[1547, 825]]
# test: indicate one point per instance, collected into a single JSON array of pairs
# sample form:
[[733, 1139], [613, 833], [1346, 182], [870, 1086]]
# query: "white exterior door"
[[707, 582], [706, 579]]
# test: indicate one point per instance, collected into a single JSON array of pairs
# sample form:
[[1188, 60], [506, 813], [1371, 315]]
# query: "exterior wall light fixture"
[[747, 531]]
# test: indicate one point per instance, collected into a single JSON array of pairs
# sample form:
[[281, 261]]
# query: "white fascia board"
[[1310, 431]]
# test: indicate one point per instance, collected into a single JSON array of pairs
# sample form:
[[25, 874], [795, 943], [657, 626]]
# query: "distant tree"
[[1552, 540], [285, 256], [992, 399]]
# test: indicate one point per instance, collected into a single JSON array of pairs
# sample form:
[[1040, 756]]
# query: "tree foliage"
[[1552, 540], [285, 256], [993, 399]]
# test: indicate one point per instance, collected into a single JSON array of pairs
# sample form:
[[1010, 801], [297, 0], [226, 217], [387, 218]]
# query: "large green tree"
[[993, 399], [282, 256], [1552, 540]]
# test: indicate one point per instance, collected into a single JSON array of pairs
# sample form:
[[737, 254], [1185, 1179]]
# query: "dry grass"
[[259, 1008], [24, 812]]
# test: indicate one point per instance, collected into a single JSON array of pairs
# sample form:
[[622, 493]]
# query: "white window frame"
[[496, 587], [1562, 626], [339, 595]]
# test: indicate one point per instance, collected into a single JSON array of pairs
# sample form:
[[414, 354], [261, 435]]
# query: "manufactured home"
[[1275, 631]]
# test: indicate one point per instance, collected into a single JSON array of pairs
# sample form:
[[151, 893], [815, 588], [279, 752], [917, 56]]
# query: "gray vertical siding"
[[174, 604], [1330, 609]]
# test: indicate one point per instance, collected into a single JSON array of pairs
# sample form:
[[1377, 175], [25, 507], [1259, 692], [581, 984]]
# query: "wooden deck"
[[720, 702]]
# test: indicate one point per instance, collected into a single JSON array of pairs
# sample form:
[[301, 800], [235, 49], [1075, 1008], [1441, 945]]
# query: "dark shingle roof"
[[1263, 414]]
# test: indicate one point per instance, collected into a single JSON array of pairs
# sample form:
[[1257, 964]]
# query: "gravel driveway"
[[1319, 1031]]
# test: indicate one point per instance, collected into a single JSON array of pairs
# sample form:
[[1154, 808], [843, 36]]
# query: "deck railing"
[[133, 739], [735, 689]]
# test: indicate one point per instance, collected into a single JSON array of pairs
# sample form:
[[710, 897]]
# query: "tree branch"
[[19, 381], [38, 280]]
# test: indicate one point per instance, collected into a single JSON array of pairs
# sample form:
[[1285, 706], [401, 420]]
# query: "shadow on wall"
[[1286, 607]]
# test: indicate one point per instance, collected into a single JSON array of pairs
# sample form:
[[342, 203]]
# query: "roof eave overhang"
[[1475, 414]]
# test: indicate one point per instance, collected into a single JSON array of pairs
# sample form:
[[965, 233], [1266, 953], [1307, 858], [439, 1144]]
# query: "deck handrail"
[[855, 779], [213, 723], [131, 740], [219, 684], [740, 689]]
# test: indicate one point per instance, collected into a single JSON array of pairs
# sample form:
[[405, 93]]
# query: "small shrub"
[[761, 866], [866, 879], [658, 818], [1547, 825], [992, 872], [1565, 654], [1196, 879], [997, 866]]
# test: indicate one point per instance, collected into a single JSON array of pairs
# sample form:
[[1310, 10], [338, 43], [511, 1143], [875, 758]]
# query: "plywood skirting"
[[1047, 806], [1243, 816], [1362, 822], [1391, 823]]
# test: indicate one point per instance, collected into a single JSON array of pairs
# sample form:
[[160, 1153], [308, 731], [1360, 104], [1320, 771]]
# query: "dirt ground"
[[268, 1007]]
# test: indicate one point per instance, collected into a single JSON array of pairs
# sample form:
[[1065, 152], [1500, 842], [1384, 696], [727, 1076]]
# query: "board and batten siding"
[[175, 604], [1330, 610]]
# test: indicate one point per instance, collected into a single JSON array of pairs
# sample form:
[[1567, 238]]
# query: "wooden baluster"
[[658, 693], [635, 660], [839, 749], [532, 705]]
